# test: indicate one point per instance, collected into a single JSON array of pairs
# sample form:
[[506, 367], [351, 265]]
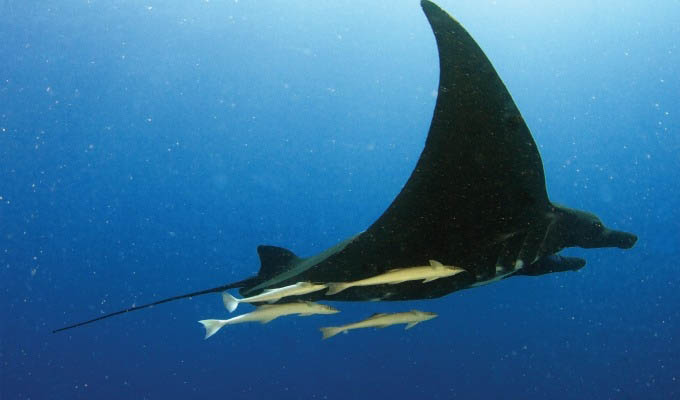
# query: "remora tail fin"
[[336, 287], [330, 331], [169, 299], [212, 326], [230, 302]]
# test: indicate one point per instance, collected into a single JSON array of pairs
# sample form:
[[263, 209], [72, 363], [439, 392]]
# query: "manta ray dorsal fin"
[[274, 260]]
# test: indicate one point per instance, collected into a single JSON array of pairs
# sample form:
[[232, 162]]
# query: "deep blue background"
[[147, 148]]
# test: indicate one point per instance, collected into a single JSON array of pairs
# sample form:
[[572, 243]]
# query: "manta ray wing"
[[479, 179]]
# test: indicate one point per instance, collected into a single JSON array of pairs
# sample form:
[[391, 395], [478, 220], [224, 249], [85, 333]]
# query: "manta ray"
[[476, 199]]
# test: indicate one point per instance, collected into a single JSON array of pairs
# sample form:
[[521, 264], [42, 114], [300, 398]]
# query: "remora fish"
[[427, 273], [272, 295], [410, 318], [267, 313]]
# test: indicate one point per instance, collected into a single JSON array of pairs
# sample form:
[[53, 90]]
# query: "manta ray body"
[[476, 199]]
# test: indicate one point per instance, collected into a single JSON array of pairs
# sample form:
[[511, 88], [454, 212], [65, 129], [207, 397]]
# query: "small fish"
[[272, 295], [269, 312], [410, 318], [427, 273]]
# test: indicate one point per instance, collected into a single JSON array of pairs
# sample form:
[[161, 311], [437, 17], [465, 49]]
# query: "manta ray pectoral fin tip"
[[427, 3]]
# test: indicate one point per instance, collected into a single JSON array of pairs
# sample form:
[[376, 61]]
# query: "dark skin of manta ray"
[[476, 199]]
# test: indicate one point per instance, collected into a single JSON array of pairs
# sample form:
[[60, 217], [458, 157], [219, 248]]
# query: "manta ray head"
[[586, 230]]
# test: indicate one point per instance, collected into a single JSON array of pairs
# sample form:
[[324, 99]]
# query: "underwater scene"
[[252, 199]]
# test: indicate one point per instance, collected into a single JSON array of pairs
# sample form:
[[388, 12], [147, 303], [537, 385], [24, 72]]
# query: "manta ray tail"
[[169, 299]]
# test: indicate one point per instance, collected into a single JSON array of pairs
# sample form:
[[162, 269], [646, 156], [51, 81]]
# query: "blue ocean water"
[[148, 147]]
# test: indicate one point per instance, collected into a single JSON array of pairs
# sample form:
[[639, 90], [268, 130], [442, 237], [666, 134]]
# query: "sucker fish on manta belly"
[[426, 273], [272, 295], [476, 199]]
